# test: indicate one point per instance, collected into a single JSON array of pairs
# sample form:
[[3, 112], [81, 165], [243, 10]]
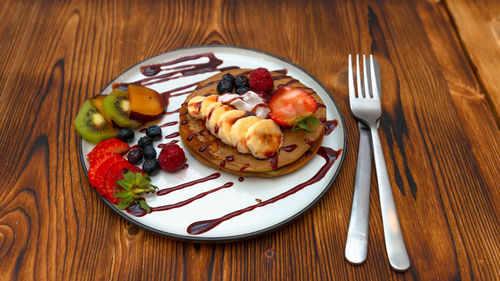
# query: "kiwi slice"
[[117, 106], [91, 124]]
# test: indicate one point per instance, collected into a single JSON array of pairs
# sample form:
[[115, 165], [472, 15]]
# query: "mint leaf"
[[305, 124]]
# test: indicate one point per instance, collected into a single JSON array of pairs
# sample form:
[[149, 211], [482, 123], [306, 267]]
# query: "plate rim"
[[260, 232]]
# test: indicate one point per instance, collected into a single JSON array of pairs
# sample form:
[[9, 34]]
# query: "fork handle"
[[356, 246], [394, 242]]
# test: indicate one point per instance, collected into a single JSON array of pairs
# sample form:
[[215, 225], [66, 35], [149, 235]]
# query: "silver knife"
[[356, 246]]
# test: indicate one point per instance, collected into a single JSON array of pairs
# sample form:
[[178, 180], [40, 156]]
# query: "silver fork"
[[367, 108]]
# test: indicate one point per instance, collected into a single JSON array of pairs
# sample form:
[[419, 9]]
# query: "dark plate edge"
[[242, 236]]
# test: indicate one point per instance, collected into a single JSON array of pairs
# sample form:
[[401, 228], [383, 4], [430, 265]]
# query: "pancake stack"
[[297, 148]]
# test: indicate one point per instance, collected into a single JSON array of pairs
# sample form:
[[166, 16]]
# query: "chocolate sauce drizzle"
[[327, 153]]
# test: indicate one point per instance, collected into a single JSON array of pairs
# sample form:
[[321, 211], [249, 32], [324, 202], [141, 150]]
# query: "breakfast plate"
[[202, 203]]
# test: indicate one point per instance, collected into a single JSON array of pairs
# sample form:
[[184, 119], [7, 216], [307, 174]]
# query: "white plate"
[[174, 222]]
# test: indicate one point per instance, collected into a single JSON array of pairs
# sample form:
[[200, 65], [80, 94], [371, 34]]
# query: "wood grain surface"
[[439, 135]]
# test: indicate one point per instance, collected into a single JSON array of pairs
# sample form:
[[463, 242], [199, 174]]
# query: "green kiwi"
[[91, 125], [117, 107]]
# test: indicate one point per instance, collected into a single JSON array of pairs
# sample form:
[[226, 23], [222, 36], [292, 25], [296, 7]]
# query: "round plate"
[[244, 192]]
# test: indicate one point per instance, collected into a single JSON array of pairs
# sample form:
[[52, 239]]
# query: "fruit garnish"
[[172, 158], [293, 107], [125, 134], [111, 145], [145, 104], [113, 175], [261, 80], [102, 169], [97, 102], [92, 125], [118, 107], [134, 184], [94, 167]]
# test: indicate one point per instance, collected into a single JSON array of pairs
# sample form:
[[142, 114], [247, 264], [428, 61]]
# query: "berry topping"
[[125, 134], [293, 107], [149, 152], [228, 77], [150, 166], [261, 80], [241, 81], [134, 156], [134, 184], [112, 145], [96, 163], [144, 141], [225, 86], [242, 89], [114, 174], [172, 158], [154, 132]]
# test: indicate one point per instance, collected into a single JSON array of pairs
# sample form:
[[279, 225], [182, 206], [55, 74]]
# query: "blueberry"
[[241, 81], [125, 134], [134, 156], [241, 90], [149, 152], [145, 141], [153, 132], [225, 86], [228, 77], [150, 166]]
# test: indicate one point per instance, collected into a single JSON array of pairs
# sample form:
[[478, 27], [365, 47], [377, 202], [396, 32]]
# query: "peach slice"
[[97, 102], [145, 104]]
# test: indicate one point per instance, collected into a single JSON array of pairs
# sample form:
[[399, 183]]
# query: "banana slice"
[[194, 106], [264, 138], [207, 102], [214, 116], [239, 132], [226, 121]]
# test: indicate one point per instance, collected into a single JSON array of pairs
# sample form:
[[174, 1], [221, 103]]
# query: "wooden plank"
[[478, 26], [54, 227]]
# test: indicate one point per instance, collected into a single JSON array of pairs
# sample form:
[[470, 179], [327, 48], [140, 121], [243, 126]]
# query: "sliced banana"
[[214, 116], [194, 106], [225, 123], [264, 138], [239, 131], [207, 102]]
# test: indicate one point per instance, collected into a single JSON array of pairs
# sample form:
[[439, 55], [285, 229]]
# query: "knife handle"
[[356, 246]]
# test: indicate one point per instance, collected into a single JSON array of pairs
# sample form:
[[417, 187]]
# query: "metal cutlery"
[[366, 106], [356, 247]]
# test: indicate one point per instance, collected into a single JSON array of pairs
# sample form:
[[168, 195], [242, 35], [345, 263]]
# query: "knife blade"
[[357, 235]]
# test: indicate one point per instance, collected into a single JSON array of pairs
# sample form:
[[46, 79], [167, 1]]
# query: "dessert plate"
[[200, 203]]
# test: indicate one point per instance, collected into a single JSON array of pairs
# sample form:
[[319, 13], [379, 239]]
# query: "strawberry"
[[293, 107], [112, 145], [92, 173], [132, 186], [104, 168], [114, 174], [172, 158]]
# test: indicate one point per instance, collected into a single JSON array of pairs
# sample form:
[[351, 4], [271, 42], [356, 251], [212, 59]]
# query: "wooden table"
[[440, 133]]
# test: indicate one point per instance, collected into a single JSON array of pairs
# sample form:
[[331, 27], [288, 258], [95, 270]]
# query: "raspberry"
[[172, 158], [261, 80]]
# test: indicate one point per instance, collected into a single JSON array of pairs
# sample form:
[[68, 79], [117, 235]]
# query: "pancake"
[[297, 148]]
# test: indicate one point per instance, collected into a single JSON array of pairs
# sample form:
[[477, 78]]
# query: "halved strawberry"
[[114, 174], [92, 173], [104, 168], [112, 145], [291, 106]]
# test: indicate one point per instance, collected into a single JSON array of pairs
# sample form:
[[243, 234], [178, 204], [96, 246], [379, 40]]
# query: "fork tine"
[[358, 78], [352, 93], [365, 79], [375, 92]]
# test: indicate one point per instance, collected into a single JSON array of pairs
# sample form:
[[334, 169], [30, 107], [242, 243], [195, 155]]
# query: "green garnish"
[[134, 185], [305, 123]]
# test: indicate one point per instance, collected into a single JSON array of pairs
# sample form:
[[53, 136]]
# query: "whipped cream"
[[248, 102]]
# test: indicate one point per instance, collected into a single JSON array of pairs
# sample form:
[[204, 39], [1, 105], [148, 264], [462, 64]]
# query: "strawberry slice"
[[111, 145], [114, 174], [92, 173], [293, 107], [104, 168]]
